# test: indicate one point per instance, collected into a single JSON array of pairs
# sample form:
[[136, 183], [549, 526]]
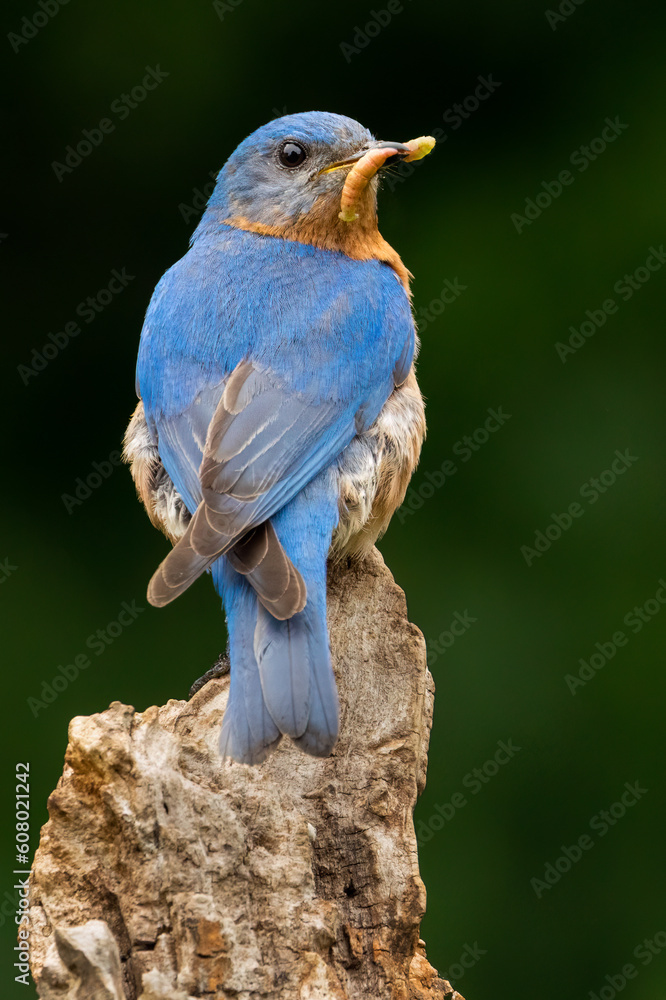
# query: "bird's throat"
[[322, 227]]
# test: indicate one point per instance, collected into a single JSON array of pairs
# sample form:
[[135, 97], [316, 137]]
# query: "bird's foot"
[[219, 669]]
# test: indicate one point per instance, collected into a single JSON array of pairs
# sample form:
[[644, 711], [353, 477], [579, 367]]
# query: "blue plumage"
[[262, 358]]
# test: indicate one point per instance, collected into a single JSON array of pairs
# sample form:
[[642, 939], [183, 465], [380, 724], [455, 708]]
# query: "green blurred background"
[[456, 548]]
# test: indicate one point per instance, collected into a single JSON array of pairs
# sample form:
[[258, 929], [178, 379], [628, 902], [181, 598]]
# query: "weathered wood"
[[165, 874]]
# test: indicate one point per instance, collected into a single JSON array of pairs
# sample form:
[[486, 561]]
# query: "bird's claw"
[[219, 669]]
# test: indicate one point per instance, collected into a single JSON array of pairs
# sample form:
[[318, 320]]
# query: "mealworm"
[[365, 169], [420, 147]]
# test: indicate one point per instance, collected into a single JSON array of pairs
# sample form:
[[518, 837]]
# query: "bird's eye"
[[292, 154]]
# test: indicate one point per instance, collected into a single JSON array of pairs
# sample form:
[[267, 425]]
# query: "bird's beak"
[[393, 151]]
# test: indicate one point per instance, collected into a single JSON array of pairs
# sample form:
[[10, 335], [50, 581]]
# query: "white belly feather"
[[373, 473]]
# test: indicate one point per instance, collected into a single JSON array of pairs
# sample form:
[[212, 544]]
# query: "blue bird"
[[279, 419]]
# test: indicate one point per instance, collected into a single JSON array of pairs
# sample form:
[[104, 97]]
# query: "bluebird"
[[279, 417]]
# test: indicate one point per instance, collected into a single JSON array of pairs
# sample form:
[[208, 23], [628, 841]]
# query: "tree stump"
[[164, 873]]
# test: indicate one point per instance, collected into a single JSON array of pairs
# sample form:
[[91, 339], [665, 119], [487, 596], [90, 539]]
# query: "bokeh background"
[[455, 547]]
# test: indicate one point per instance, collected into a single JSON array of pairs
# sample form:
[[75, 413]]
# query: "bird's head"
[[287, 178]]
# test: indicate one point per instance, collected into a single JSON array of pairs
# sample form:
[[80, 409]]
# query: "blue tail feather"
[[297, 678], [282, 654], [321, 731], [282, 680], [248, 732]]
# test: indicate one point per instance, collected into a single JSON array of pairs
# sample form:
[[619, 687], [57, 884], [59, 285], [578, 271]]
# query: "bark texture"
[[165, 874]]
